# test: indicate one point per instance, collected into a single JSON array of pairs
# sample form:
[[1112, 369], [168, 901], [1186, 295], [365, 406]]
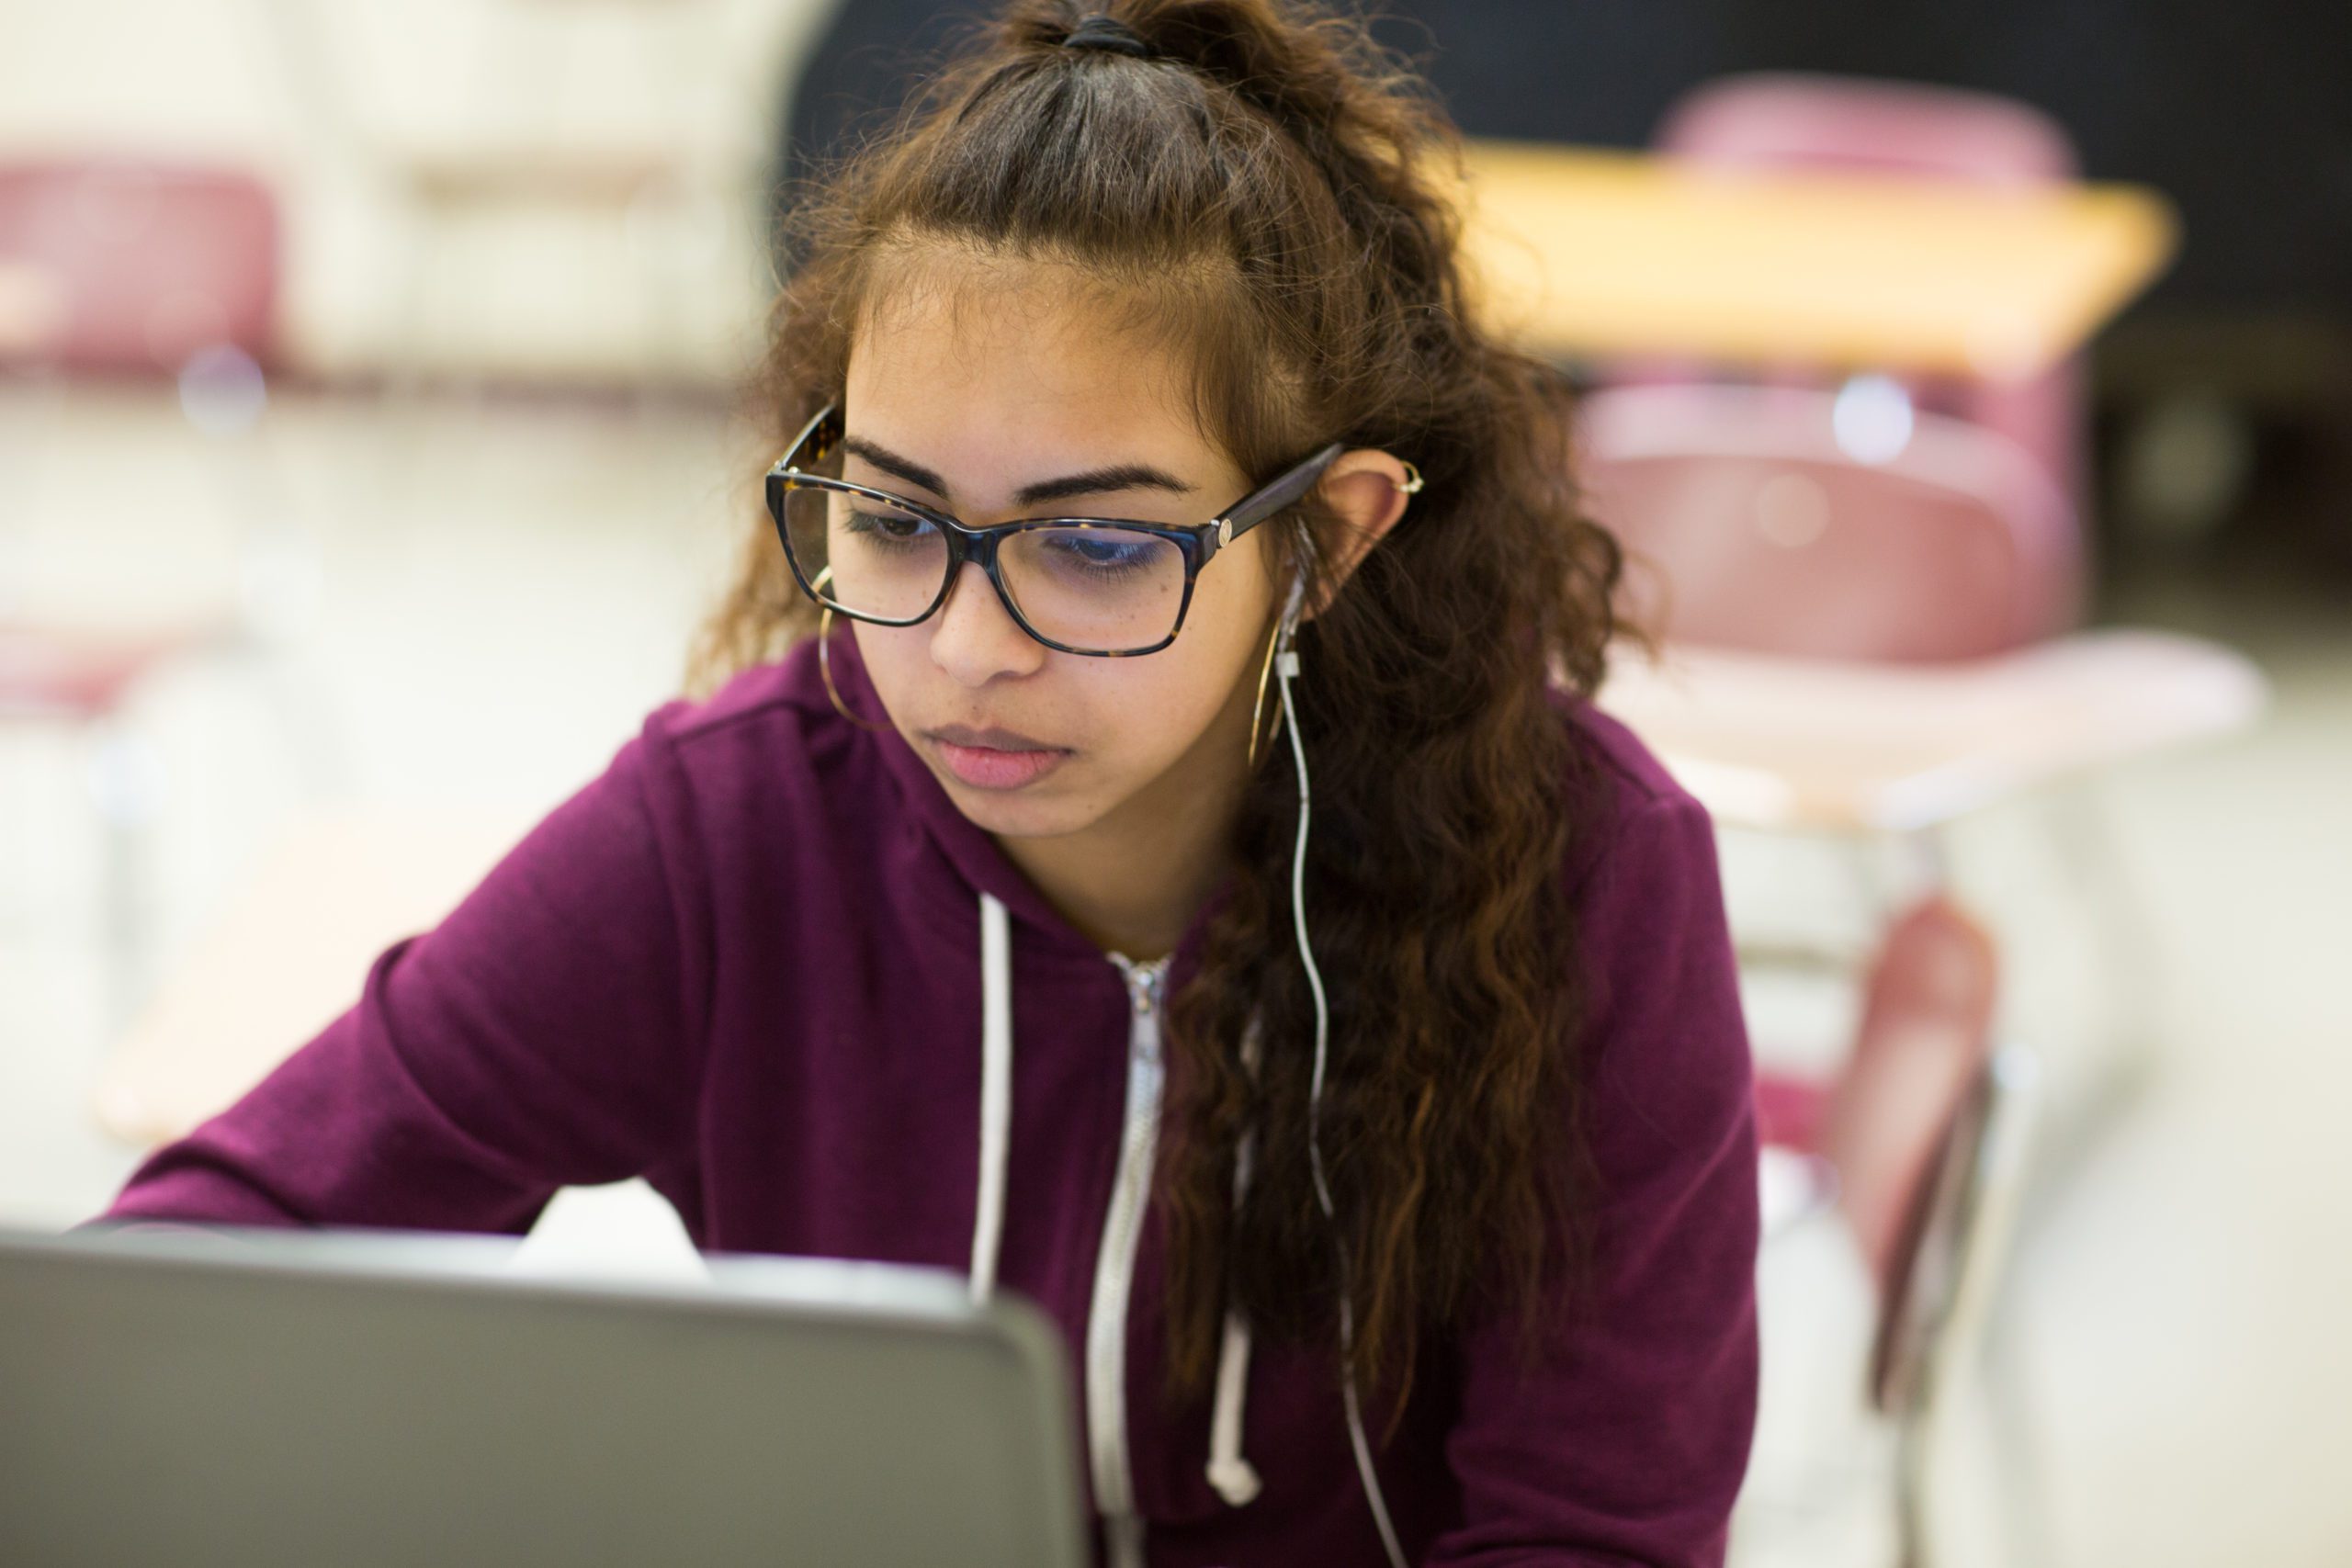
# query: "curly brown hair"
[[1271, 191]]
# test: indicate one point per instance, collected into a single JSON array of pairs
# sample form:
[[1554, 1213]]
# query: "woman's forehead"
[[1026, 369], [961, 318]]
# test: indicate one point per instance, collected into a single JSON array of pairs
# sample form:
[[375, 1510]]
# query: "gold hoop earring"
[[1412, 485], [1258, 707], [825, 669]]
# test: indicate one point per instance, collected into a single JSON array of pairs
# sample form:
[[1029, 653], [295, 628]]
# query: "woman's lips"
[[994, 758]]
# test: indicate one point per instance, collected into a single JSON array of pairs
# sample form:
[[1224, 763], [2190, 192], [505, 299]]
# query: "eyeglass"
[[1108, 588]]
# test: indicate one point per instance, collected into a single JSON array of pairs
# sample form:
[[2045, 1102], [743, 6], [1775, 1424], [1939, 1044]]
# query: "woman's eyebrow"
[[1100, 482], [891, 463], [1092, 481]]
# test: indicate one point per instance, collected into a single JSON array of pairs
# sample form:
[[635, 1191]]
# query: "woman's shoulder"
[[1616, 788], [766, 748], [1670, 1047], [766, 727], [784, 698]]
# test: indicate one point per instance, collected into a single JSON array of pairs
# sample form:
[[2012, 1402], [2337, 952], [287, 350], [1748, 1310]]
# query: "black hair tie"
[[1111, 35]]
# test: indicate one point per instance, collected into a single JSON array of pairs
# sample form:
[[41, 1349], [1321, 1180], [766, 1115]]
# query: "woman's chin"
[[1040, 810]]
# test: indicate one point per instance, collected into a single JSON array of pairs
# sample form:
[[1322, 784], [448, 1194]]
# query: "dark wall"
[[2242, 112]]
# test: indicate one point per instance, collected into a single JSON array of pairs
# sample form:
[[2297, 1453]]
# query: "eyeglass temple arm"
[[1283, 493], [815, 436]]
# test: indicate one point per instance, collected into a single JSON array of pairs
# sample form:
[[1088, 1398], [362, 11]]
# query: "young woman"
[[1151, 849]]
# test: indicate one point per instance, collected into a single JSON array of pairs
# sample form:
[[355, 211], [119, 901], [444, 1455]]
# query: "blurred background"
[[1971, 391]]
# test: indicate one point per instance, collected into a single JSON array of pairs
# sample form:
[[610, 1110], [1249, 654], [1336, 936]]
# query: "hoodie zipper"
[[1114, 1267]]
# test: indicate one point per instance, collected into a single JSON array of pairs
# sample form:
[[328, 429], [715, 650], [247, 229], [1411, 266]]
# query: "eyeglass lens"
[[1094, 589]]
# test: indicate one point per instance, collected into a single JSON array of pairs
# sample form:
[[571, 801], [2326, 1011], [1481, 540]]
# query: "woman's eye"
[[891, 526], [1096, 553]]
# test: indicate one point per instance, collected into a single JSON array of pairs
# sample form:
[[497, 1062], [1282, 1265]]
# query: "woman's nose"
[[975, 640]]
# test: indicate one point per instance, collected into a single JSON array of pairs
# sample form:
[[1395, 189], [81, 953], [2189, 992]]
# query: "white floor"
[[482, 601], [2181, 1301]]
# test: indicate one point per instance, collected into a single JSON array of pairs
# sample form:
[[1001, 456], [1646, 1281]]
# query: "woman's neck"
[[1136, 903]]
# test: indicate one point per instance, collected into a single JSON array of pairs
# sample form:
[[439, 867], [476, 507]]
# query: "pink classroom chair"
[[1923, 1128], [1787, 121], [145, 270], [1754, 526], [1874, 646], [150, 263], [1781, 121]]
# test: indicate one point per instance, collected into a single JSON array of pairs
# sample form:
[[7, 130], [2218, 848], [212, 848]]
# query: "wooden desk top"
[[1588, 253]]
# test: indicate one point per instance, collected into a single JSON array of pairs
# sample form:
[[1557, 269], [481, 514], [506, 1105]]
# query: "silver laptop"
[[370, 1400]]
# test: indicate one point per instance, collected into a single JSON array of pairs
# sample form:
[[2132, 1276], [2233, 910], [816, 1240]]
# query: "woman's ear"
[[1366, 492]]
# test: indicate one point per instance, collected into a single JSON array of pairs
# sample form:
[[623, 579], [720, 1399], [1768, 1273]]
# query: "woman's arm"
[[1627, 1444], [546, 1033]]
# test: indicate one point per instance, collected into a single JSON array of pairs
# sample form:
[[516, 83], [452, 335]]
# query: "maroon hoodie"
[[747, 963]]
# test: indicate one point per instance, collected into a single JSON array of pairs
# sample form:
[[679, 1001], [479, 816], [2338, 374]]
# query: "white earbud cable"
[[1285, 667]]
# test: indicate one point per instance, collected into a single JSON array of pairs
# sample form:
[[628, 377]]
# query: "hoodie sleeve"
[[1627, 1445], [545, 1034]]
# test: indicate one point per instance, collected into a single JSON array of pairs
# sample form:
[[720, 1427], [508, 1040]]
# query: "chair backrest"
[[1790, 120], [1753, 524], [1905, 1109], [150, 264], [1856, 125]]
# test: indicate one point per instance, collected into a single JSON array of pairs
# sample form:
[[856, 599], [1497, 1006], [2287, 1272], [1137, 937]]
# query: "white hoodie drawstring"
[[1231, 1474], [996, 1091], [1234, 1477]]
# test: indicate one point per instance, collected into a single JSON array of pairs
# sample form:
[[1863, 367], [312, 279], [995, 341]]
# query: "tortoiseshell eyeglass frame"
[[1199, 542]]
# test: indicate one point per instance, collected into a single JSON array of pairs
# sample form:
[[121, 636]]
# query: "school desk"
[[1792, 744], [1585, 254], [287, 953]]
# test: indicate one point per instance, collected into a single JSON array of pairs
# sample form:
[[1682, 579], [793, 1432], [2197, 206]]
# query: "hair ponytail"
[[1261, 185]]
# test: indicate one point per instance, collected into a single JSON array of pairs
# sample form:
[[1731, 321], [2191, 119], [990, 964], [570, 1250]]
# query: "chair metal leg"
[[1912, 1483], [1990, 1166]]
